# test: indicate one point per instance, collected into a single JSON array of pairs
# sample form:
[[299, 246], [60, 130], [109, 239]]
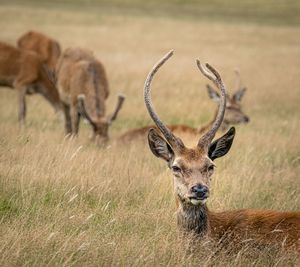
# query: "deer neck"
[[193, 219], [48, 89]]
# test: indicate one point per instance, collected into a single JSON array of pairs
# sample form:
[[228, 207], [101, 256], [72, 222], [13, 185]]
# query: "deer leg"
[[22, 105], [78, 121], [74, 119], [67, 117]]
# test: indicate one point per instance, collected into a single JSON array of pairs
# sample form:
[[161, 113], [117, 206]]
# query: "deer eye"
[[210, 168], [176, 169]]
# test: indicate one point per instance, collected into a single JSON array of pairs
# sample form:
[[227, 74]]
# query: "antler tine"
[[214, 76], [170, 137], [206, 73], [82, 109], [121, 99]]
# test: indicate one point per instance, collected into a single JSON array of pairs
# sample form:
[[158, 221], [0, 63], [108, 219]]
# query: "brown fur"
[[80, 73], [24, 71], [142, 132], [46, 47], [265, 227]]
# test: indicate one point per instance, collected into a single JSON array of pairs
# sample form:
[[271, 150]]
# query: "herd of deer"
[[75, 82]]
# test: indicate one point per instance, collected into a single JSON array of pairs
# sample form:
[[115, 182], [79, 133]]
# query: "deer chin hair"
[[197, 202]]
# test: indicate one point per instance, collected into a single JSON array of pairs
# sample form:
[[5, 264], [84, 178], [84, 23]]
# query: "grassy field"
[[68, 203]]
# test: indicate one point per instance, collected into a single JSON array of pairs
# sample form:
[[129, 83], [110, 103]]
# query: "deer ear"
[[159, 146], [221, 146], [238, 95], [213, 94]]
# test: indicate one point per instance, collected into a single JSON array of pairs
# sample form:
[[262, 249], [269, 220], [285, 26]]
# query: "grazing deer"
[[46, 47], [192, 170], [83, 88], [25, 71], [233, 116]]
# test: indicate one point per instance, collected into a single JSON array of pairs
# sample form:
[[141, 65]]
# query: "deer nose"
[[200, 191]]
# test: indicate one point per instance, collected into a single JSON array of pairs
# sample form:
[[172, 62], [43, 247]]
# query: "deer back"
[[25, 69], [86, 80], [46, 47], [10, 59], [79, 73]]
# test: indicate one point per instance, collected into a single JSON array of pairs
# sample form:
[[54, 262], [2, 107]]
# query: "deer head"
[[233, 113], [100, 125], [192, 168]]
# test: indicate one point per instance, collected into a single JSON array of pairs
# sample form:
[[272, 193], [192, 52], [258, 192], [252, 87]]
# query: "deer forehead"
[[103, 120], [192, 162]]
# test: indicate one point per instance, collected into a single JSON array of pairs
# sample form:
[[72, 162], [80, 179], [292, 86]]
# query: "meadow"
[[66, 202]]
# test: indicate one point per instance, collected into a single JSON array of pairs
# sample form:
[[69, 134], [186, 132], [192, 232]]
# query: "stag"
[[192, 170], [25, 72], [233, 116], [83, 88], [46, 47]]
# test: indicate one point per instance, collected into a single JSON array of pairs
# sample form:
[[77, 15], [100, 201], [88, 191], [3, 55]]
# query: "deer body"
[[83, 89], [24, 71], [46, 47], [192, 170], [142, 132], [258, 227]]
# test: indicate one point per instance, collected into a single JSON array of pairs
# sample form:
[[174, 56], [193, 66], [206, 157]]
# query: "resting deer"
[[46, 47], [83, 89], [192, 170], [25, 71], [233, 113], [233, 116]]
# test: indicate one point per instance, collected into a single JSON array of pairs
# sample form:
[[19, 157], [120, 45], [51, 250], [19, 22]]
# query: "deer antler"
[[174, 141], [215, 77], [119, 105], [82, 109]]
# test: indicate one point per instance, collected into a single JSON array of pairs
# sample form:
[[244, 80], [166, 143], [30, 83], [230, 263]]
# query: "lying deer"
[[25, 71], [192, 170], [46, 47], [83, 89], [233, 116]]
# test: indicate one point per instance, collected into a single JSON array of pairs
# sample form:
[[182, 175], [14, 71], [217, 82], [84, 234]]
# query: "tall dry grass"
[[65, 202]]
